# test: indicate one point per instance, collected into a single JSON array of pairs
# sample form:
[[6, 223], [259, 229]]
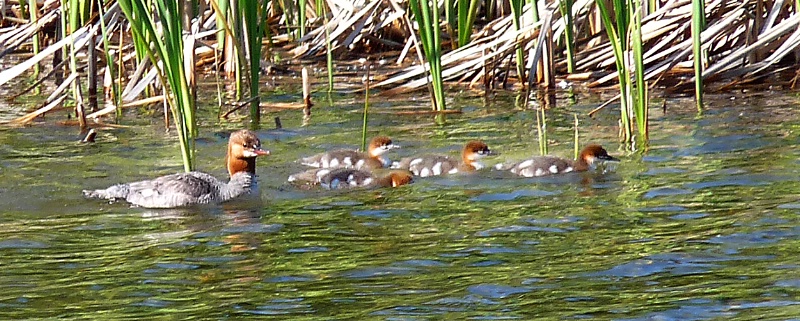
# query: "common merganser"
[[184, 189], [432, 165], [549, 165], [372, 159], [341, 178]]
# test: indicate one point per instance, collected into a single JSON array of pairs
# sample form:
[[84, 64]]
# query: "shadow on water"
[[702, 226]]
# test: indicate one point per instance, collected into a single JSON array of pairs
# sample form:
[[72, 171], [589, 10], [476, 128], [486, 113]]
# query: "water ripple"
[[665, 191], [497, 291], [674, 263], [519, 229], [22, 244], [490, 197]]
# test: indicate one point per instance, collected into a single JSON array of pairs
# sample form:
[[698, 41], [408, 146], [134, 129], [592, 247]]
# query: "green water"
[[702, 226]]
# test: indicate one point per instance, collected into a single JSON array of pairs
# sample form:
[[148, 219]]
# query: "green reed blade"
[[640, 100], [516, 10], [569, 34], [168, 47], [426, 14], [698, 24], [115, 92]]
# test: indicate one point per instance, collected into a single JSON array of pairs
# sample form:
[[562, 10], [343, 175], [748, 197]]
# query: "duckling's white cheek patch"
[[567, 170], [360, 163], [347, 161], [453, 171], [554, 169], [539, 172], [334, 162]]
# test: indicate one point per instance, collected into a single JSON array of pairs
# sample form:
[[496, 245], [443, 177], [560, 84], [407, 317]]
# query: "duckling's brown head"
[[475, 150], [379, 145], [593, 153], [243, 148], [401, 177]]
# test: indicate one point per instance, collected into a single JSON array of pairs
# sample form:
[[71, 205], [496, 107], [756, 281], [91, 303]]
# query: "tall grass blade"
[[467, 12], [640, 101], [328, 54], [534, 10], [301, 17], [167, 56], [569, 33], [222, 10], [33, 11], [516, 11], [252, 11], [366, 109], [619, 48], [541, 128], [426, 13], [698, 24]]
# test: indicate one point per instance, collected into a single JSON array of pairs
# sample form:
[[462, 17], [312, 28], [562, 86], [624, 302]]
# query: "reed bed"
[[471, 43]]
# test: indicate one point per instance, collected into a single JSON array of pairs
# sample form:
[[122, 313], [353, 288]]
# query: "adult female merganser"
[[371, 159], [340, 178], [549, 165], [432, 165], [191, 188]]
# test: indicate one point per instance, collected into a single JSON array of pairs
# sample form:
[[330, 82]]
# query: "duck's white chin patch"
[[248, 154]]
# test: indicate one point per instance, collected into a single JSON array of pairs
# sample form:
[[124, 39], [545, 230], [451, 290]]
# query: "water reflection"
[[702, 226]]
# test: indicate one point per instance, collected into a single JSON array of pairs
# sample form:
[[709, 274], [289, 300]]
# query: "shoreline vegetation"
[[147, 52]]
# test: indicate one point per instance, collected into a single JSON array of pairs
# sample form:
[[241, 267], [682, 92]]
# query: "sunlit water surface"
[[703, 225]]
